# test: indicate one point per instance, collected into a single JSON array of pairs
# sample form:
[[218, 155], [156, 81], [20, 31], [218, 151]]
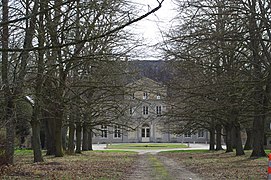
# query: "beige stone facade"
[[145, 104]]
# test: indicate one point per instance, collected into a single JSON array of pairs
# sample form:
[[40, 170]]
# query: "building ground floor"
[[148, 132]]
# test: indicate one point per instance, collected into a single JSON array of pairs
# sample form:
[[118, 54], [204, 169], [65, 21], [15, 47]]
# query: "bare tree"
[[9, 102], [60, 46], [213, 46]]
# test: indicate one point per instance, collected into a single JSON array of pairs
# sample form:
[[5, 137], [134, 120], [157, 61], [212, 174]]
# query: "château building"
[[145, 102]]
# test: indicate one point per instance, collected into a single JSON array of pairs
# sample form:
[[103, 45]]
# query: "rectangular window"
[[158, 110], [188, 134], [132, 96], [117, 131], [145, 110], [145, 95], [147, 132], [143, 132], [104, 131], [201, 133]]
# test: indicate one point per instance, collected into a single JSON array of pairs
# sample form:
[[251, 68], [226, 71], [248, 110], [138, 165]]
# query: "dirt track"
[[146, 167], [155, 167]]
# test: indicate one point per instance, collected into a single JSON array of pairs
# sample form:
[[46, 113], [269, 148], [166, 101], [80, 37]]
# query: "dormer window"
[[131, 110], [158, 96], [145, 95]]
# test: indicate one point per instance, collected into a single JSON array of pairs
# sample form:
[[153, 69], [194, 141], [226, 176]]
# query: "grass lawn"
[[187, 151], [140, 146], [221, 165], [88, 165]]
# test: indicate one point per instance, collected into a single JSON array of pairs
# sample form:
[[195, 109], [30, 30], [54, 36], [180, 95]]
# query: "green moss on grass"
[[159, 169], [148, 146], [187, 151]]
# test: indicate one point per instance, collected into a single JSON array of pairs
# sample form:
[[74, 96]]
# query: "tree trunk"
[[233, 137], [248, 145], [35, 120], [85, 138], [9, 103], [239, 145], [36, 144], [64, 137], [56, 93], [228, 129], [20, 79], [35, 123], [71, 138], [212, 139], [10, 133], [50, 136], [218, 137], [258, 137], [43, 134], [78, 137], [58, 132], [259, 95], [90, 134]]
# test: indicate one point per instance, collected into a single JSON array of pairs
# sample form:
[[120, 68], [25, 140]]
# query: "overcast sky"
[[150, 28]]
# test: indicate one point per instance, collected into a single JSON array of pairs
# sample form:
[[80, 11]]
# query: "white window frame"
[[158, 96], [188, 135], [104, 132], [145, 95], [201, 133], [117, 132], [145, 110], [158, 110]]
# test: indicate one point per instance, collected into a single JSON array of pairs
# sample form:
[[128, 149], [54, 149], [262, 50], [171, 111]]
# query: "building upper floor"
[[145, 89]]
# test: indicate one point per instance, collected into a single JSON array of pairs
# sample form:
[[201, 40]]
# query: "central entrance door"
[[145, 133]]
